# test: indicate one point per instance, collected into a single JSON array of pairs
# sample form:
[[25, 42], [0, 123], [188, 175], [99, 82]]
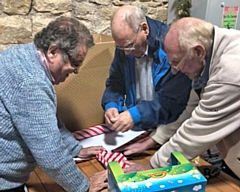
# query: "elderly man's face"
[[61, 69], [191, 67], [180, 60], [134, 43]]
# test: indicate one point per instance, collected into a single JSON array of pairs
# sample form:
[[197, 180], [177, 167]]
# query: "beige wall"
[[21, 19]]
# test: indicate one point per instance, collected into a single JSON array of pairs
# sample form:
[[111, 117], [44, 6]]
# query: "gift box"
[[179, 176]]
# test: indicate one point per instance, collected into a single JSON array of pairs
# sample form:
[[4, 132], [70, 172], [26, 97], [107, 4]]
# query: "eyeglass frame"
[[75, 64], [133, 42], [176, 68]]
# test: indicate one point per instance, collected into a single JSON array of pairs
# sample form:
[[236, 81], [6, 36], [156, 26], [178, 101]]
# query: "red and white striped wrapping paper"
[[91, 132], [105, 157]]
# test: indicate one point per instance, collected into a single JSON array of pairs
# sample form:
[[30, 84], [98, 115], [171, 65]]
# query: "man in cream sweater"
[[209, 55]]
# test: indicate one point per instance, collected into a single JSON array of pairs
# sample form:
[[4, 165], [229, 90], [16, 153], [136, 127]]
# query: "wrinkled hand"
[[123, 122], [98, 181], [89, 151], [137, 147], [134, 167], [110, 114]]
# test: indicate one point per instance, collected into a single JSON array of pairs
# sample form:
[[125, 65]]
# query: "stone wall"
[[21, 19]]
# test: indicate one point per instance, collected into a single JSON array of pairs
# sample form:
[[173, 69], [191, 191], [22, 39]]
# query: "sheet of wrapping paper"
[[91, 132], [110, 140], [105, 157]]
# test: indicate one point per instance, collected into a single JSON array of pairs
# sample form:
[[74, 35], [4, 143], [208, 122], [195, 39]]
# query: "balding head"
[[119, 17], [187, 44], [188, 32], [119, 23], [130, 30], [172, 37], [126, 18]]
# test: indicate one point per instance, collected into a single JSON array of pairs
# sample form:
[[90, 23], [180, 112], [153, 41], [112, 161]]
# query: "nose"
[[75, 71], [174, 71]]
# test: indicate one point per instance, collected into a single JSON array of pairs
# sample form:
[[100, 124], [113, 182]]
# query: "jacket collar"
[[157, 33], [202, 80]]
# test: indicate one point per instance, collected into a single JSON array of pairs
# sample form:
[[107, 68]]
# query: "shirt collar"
[[45, 64]]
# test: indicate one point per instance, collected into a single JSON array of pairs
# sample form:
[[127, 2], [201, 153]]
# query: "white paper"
[[111, 140]]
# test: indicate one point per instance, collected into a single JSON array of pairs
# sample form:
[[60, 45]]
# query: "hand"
[[134, 167], [98, 181], [123, 122], [110, 114], [89, 151], [137, 147]]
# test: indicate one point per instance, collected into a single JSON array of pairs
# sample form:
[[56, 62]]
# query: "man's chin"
[[59, 81]]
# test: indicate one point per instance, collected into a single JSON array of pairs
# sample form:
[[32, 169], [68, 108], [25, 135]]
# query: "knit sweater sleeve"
[[33, 112], [73, 145]]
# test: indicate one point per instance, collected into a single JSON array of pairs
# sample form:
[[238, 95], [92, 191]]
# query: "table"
[[40, 182]]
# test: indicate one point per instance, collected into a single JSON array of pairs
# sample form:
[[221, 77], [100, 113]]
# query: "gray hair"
[[133, 17], [199, 32], [67, 33]]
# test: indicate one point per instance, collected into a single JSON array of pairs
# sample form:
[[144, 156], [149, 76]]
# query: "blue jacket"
[[171, 91]]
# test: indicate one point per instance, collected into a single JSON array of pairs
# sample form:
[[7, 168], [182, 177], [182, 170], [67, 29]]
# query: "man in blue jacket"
[[141, 90]]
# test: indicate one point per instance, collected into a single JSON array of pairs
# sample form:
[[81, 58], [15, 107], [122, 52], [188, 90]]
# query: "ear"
[[53, 50], [200, 51], [144, 27]]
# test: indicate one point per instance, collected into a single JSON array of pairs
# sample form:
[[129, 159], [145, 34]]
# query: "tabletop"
[[40, 182]]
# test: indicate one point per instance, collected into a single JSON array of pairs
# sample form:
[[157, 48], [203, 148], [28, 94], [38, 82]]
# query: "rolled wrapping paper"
[[105, 157], [91, 132]]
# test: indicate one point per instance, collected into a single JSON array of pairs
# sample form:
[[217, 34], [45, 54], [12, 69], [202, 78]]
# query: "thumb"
[[114, 119]]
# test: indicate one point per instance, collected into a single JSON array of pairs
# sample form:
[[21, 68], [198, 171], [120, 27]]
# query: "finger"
[[100, 176], [130, 152], [125, 129], [115, 113], [97, 148], [104, 185], [118, 126], [128, 169], [107, 120], [98, 187], [115, 126], [129, 163], [103, 174], [113, 120], [93, 150], [101, 186], [122, 148]]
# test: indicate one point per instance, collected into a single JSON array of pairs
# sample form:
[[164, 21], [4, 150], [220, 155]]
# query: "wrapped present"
[[180, 176]]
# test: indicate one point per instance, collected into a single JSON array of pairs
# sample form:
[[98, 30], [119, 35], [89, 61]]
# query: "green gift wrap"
[[179, 176]]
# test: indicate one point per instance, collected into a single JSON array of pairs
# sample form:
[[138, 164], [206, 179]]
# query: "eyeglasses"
[[130, 46], [176, 68], [75, 64]]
